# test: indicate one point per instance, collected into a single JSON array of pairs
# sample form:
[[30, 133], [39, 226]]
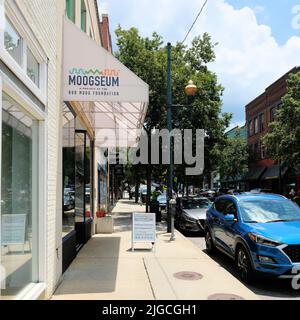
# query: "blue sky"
[[259, 40]]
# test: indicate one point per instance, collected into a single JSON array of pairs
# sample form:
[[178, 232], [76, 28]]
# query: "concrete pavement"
[[107, 269]]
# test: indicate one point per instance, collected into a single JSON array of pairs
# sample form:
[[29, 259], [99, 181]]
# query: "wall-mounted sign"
[[13, 229], [91, 73], [143, 228]]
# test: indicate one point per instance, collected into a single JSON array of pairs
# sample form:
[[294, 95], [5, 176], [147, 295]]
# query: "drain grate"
[[225, 296], [188, 275]]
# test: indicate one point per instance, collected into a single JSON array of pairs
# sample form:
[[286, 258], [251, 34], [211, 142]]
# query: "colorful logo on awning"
[[94, 81]]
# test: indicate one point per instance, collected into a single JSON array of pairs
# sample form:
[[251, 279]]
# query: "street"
[[266, 289]]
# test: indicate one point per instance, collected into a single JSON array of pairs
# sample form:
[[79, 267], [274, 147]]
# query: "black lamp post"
[[190, 91]]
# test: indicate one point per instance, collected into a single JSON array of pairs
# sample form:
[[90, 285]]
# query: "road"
[[266, 289]]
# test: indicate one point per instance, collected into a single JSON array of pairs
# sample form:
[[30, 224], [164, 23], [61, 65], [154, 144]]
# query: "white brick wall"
[[45, 18]]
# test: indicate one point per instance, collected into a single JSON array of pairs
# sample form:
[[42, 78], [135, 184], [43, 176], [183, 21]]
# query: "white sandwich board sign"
[[143, 228]]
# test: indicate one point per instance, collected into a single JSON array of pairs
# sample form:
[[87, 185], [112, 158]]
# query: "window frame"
[[10, 10], [10, 89], [255, 123]]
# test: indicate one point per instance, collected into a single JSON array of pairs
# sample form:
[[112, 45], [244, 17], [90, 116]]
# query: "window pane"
[[12, 42], [71, 9], [83, 16], [18, 203], [68, 170], [33, 68]]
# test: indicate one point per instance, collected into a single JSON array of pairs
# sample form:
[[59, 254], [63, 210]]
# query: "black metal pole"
[[169, 120]]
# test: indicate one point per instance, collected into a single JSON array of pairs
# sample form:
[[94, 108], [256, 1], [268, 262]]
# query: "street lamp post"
[[190, 91]]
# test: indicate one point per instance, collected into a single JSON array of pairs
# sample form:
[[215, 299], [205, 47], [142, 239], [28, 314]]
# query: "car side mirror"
[[230, 218]]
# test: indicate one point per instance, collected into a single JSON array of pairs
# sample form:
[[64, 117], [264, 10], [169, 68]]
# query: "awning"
[[273, 173], [91, 74], [254, 173]]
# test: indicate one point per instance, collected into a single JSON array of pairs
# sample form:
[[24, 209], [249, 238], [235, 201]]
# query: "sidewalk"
[[107, 269]]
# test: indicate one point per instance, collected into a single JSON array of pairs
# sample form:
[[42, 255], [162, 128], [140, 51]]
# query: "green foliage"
[[282, 142], [147, 57], [234, 157]]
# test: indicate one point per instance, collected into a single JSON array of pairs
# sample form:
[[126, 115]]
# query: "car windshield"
[[195, 203], [269, 211]]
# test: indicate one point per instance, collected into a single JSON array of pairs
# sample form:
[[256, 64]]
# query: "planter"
[[100, 213], [105, 225]]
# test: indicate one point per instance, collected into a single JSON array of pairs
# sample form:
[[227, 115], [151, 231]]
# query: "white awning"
[[91, 74]]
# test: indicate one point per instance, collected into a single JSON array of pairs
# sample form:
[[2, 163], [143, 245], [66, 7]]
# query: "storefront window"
[[88, 177], [33, 68], [79, 176], [19, 213], [68, 170], [13, 42]]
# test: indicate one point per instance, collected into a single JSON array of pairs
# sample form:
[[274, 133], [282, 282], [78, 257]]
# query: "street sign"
[[143, 228]]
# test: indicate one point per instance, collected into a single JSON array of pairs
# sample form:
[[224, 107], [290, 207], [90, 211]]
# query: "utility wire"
[[198, 15]]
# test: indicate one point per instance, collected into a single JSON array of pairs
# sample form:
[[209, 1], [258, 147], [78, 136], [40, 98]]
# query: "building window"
[[33, 68], [256, 125], [83, 16], [262, 151], [272, 114], [68, 171], [19, 198], [261, 122], [13, 42], [250, 128], [70, 4]]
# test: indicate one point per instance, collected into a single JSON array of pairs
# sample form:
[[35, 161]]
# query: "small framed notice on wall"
[[143, 228]]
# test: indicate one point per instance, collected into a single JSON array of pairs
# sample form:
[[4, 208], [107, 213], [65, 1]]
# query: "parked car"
[[162, 199], [260, 232], [69, 202], [191, 213]]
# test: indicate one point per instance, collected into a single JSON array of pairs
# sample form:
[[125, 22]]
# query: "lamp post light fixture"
[[190, 91]]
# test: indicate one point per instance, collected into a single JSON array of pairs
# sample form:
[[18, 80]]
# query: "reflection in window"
[[13, 42], [68, 171], [19, 219], [88, 177], [83, 16], [33, 68]]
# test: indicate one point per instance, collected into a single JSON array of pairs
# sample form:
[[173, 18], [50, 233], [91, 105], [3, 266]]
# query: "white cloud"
[[248, 57]]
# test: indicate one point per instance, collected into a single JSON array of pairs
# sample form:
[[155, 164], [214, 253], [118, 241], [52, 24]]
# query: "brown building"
[[105, 33], [264, 172]]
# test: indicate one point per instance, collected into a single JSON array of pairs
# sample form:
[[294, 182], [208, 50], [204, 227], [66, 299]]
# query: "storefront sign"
[[143, 228], [13, 229], [91, 73]]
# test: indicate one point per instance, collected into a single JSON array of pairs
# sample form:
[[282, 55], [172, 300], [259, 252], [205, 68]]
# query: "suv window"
[[220, 205], [230, 208]]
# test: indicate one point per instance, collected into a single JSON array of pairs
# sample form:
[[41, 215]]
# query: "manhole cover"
[[188, 275], [224, 296]]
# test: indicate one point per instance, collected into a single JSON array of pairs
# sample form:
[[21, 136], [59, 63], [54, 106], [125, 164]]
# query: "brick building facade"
[[263, 171]]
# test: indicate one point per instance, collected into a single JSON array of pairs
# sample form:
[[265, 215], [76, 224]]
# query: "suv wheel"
[[210, 247], [244, 266]]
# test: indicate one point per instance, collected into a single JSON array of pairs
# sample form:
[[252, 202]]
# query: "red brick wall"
[[105, 33], [263, 104]]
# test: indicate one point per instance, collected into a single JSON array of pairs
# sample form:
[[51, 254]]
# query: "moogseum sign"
[[91, 73], [94, 82]]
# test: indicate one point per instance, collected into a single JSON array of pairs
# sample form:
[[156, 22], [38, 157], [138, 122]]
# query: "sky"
[[258, 40]]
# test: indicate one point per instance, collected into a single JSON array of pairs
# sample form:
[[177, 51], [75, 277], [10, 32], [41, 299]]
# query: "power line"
[[198, 15]]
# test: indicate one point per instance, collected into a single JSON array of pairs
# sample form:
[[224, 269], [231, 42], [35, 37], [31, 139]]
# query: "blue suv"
[[261, 232]]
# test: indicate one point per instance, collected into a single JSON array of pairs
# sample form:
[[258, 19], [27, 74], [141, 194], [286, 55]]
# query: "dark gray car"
[[191, 213]]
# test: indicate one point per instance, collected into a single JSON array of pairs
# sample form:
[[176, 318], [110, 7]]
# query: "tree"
[[147, 57], [234, 157], [283, 139]]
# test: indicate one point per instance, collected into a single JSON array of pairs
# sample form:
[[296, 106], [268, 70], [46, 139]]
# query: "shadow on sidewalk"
[[94, 270]]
